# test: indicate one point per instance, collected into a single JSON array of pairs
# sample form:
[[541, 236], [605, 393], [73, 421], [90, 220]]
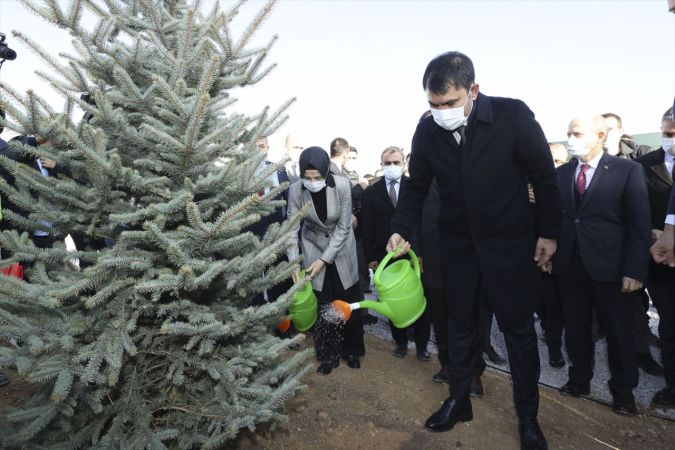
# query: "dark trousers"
[[579, 293], [465, 356], [663, 296], [364, 274], [334, 339], [641, 330], [550, 312], [421, 330], [439, 319]]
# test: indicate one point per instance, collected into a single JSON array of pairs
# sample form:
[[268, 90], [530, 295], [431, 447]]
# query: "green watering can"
[[302, 311], [400, 291]]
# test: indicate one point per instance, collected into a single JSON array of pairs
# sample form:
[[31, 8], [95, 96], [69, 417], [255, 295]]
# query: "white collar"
[[593, 162]]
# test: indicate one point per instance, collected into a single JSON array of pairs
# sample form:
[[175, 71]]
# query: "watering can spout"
[[379, 307]]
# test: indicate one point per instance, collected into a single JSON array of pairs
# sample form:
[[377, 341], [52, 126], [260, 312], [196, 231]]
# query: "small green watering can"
[[400, 290], [302, 311]]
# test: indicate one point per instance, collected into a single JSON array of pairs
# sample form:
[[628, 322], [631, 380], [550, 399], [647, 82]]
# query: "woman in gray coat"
[[329, 251]]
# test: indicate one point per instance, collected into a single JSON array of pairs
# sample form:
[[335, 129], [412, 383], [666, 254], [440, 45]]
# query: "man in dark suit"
[[659, 166], [277, 216], [602, 258], [379, 204], [482, 151]]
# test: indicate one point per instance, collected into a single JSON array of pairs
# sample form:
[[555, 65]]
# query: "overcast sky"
[[356, 65]]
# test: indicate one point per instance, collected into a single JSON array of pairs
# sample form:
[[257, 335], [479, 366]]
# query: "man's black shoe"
[[476, 390], [492, 355], [555, 357], [624, 403], [441, 376], [665, 398], [423, 355], [576, 390], [400, 351], [647, 363], [531, 437], [450, 413], [327, 367], [4, 379], [353, 362]]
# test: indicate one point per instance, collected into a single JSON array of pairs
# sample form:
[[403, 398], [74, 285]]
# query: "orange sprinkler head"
[[342, 308], [284, 325]]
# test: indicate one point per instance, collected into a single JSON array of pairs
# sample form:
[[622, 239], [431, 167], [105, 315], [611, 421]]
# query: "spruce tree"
[[152, 343]]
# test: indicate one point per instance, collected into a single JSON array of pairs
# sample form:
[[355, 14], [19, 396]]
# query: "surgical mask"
[[451, 118], [350, 165], [314, 186], [577, 147], [392, 172], [612, 142], [668, 144]]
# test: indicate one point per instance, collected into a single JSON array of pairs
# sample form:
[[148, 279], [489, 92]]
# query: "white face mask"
[[612, 142], [314, 186], [577, 147], [451, 118], [668, 144], [392, 172], [350, 165]]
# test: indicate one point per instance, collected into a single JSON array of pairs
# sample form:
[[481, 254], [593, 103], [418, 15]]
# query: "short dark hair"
[[338, 147], [451, 69], [615, 117], [668, 115]]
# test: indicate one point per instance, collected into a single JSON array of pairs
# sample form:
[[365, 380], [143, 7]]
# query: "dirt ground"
[[384, 405]]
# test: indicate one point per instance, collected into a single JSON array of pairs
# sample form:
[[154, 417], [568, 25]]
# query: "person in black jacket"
[[482, 151], [278, 216], [619, 144], [659, 166], [602, 258], [379, 204]]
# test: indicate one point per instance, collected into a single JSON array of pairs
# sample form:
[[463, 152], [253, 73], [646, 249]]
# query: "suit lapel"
[[331, 203], [384, 192], [598, 177], [660, 169], [307, 198], [568, 187]]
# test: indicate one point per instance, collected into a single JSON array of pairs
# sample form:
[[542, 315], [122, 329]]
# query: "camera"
[[6, 53]]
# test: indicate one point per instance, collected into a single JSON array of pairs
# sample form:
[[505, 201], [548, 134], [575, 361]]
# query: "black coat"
[[659, 186], [376, 213], [279, 214], [611, 223], [429, 240], [487, 228]]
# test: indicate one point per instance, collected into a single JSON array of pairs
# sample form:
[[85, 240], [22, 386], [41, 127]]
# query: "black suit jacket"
[[487, 227], [611, 223], [659, 186], [279, 213], [376, 213]]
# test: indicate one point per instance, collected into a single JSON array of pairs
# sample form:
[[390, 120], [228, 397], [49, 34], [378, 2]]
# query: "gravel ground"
[[555, 378]]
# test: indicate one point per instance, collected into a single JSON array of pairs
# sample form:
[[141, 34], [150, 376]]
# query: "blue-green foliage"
[[152, 344]]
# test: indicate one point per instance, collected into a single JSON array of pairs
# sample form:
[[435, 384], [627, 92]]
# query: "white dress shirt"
[[593, 164]]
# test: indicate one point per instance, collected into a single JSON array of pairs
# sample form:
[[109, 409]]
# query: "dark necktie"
[[392, 193], [462, 135], [581, 179]]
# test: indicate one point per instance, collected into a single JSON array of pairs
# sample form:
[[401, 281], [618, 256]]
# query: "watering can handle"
[[390, 255]]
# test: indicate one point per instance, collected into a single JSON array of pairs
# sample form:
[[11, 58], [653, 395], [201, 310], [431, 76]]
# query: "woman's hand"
[[316, 268], [296, 276]]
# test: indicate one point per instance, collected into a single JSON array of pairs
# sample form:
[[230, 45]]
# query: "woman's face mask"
[[314, 186]]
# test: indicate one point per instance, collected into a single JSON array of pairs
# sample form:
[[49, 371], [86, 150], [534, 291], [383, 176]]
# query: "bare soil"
[[384, 405]]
